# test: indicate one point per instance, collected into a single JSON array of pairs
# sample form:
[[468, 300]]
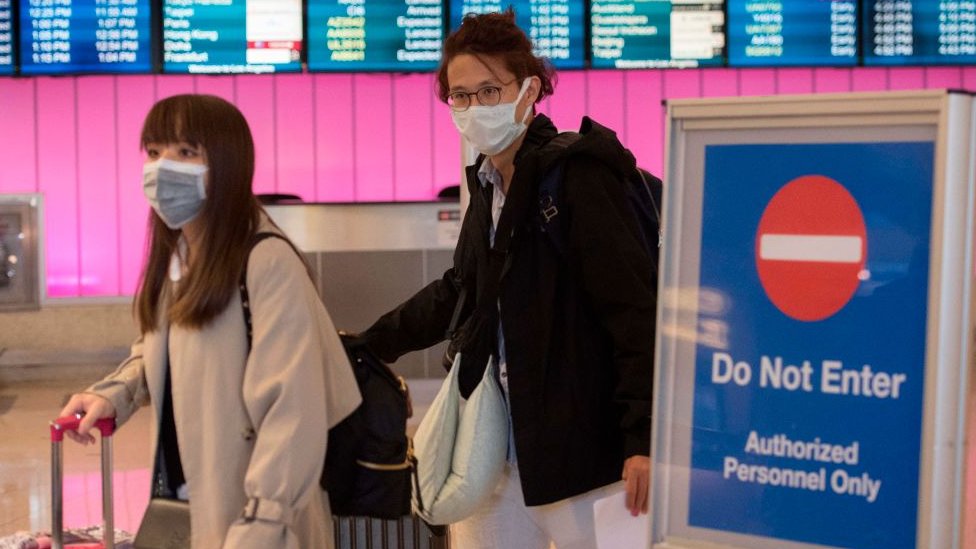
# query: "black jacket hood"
[[597, 142]]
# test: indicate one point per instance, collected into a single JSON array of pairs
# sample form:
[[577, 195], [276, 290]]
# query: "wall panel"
[[757, 81], [447, 146], [219, 85], [794, 81], [869, 79], [98, 186], [968, 78], [943, 77], [174, 84], [906, 78], [604, 102], [413, 137], [831, 80], [335, 155], [18, 136], [256, 99], [569, 102], [644, 130], [57, 177], [295, 148], [720, 83], [373, 118], [135, 98]]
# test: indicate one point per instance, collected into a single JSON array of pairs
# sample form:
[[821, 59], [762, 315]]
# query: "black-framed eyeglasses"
[[488, 96]]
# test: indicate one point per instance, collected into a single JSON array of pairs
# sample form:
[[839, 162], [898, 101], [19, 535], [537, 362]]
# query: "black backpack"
[[369, 462], [643, 196]]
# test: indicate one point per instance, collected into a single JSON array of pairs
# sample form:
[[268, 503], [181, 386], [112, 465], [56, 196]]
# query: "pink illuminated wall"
[[325, 137]]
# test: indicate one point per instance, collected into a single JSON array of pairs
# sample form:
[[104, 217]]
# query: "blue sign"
[[556, 27], [234, 36], [635, 34], [792, 33], [383, 35], [809, 368], [919, 32], [6, 37], [84, 36]]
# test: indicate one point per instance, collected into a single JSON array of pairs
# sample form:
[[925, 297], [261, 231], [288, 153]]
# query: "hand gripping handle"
[[106, 426]]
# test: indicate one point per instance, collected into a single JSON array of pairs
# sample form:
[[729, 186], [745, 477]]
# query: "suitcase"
[[350, 532], [106, 427], [369, 533]]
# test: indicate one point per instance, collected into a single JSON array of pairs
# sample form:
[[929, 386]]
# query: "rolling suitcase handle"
[[106, 426]]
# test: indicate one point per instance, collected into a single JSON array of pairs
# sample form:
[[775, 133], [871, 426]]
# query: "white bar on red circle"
[[810, 247]]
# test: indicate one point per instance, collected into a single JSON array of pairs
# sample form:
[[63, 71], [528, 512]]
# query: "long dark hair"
[[495, 35], [230, 215]]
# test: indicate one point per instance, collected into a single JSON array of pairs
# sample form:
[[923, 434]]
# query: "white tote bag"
[[460, 448]]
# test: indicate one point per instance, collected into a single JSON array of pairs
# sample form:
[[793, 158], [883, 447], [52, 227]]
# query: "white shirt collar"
[[177, 262], [487, 173]]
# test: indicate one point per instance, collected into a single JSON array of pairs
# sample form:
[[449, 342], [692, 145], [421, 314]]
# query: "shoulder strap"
[[553, 167], [245, 297], [653, 186]]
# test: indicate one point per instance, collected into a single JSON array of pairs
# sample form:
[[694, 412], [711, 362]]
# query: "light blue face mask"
[[175, 190]]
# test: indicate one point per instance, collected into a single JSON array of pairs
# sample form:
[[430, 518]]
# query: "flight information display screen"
[[84, 36], [6, 37], [375, 35], [636, 34], [557, 27], [232, 36], [792, 32], [919, 32]]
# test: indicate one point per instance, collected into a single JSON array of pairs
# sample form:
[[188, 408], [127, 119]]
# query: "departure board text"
[[232, 36], [930, 32], [631, 34], [792, 32], [556, 27], [82, 36], [374, 35]]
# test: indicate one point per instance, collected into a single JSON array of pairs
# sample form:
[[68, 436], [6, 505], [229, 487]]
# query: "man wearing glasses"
[[571, 331]]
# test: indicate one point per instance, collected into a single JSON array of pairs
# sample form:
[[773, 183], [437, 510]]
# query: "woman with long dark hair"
[[242, 417]]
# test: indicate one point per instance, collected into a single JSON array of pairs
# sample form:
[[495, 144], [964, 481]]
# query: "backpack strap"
[[553, 166], [654, 189], [242, 283], [549, 194]]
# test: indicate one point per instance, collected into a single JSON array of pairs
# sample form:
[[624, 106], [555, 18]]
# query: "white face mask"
[[491, 130], [175, 190]]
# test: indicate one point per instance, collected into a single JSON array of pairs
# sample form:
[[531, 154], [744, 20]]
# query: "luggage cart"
[[106, 427]]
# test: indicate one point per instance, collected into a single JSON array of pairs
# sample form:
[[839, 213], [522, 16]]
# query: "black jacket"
[[579, 327]]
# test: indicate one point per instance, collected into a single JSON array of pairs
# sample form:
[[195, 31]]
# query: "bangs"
[[172, 120]]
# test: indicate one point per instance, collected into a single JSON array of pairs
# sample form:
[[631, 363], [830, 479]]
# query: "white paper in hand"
[[616, 528]]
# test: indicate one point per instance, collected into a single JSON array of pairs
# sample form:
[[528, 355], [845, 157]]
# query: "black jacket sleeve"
[[618, 277], [424, 319], [418, 323]]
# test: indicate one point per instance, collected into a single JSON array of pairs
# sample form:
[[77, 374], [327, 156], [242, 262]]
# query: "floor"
[[25, 460]]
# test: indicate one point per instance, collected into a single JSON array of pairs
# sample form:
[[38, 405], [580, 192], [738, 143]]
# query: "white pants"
[[504, 521]]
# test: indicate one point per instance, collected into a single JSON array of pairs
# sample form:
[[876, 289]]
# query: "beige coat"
[[254, 430]]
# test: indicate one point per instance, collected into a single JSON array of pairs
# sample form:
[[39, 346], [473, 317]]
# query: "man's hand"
[[637, 474], [93, 407]]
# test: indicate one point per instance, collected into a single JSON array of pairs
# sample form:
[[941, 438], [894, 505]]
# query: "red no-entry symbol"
[[811, 247]]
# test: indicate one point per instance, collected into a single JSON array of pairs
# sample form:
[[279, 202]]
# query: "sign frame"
[[944, 118]]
